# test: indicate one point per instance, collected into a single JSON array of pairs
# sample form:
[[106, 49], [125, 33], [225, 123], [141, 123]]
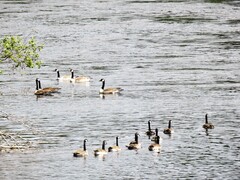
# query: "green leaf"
[[20, 53]]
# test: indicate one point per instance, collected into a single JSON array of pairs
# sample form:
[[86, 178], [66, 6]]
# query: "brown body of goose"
[[207, 125], [101, 151], [49, 89], [109, 90], [44, 91], [114, 148], [150, 132], [169, 130], [134, 144], [155, 146], [78, 79], [81, 152]]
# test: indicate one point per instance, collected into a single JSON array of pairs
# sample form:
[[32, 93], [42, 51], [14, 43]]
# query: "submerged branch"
[[12, 142]]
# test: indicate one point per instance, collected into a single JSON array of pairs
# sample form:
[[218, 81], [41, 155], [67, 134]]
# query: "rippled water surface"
[[175, 60]]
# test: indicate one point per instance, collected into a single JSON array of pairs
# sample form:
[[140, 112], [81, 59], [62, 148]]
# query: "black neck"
[[157, 140], [136, 138], [72, 73], [169, 124], [103, 84], [37, 88], [149, 125], [206, 119], [116, 141], [84, 145], [58, 74], [103, 145], [156, 130], [39, 84]]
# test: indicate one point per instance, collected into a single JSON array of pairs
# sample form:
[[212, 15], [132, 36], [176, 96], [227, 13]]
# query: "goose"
[[155, 146], [156, 136], [62, 78], [101, 151], [78, 79], [81, 152], [134, 144], [207, 125], [39, 91], [47, 89], [169, 130], [149, 132], [114, 148], [108, 90]]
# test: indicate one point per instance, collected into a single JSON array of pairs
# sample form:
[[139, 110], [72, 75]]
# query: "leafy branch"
[[22, 54]]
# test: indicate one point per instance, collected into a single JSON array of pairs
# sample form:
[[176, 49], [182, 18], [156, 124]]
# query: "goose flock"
[[72, 79], [133, 145]]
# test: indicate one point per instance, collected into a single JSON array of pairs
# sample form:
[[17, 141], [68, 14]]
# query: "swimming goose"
[[48, 89], [101, 151], [207, 125], [149, 132], [40, 91], [62, 78], [78, 79], [108, 90], [169, 130], [155, 146], [156, 136], [134, 144], [114, 148], [81, 152]]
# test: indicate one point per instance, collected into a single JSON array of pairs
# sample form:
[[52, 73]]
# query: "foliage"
[[22, 54]]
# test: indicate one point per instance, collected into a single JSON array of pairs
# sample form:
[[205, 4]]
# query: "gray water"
[[175, 60]]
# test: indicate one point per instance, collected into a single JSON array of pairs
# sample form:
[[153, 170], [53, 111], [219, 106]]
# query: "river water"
[[176, 60]]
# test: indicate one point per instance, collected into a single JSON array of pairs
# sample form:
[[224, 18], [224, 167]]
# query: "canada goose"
[[156, 136], [81, 152], [155, 146], [114, 148], [78, 79], [101, 151], [62, 78], [149, 132], [48, 89], [169, 130], [109, 90], [134, 144], [207, 125], [39, 91]]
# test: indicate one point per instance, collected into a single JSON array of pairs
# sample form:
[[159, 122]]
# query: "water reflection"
[[206, 131]]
